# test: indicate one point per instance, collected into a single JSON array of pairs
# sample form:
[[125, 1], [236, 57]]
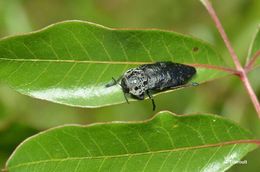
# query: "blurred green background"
[[22, 116]]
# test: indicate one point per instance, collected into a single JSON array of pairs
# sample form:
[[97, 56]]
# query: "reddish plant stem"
[[251, 62], [251, 92], [241, 71]]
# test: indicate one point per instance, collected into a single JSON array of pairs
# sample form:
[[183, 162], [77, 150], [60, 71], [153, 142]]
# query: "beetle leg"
[[150, 97], [194, 84], [126, 98]]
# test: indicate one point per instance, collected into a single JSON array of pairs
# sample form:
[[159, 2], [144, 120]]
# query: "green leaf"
[[165, 143], [70, 62], [255, 46]]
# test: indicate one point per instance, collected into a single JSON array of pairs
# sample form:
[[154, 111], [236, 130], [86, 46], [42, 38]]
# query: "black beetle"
[[158, 76]]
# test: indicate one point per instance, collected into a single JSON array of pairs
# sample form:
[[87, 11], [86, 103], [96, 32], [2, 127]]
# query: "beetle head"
[[135, 82]]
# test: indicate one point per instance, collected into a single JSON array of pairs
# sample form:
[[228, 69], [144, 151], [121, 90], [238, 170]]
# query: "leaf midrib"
[[219, 68], [97, 61], [235, 142], [78, 61]]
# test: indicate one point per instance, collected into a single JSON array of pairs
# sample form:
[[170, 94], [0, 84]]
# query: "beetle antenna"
[[150, 97], [113, 82], [116, 82]]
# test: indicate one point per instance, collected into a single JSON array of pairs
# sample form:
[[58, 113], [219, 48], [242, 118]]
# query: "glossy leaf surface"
[[165, 143], [71, 62]]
